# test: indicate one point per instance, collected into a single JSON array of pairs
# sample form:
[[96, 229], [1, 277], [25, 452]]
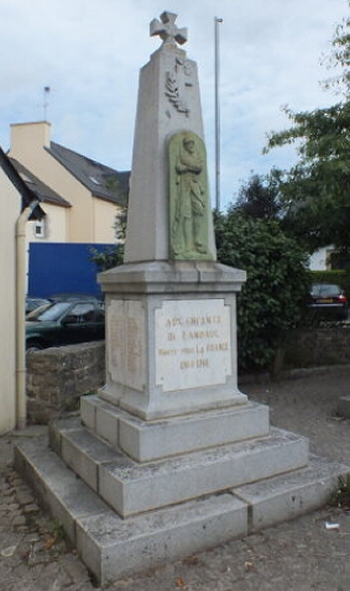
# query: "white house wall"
[[55, 225], [319, 260], [10, 206]]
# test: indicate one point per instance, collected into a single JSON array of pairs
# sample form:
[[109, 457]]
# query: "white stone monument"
[[172, 458], [171, 324]]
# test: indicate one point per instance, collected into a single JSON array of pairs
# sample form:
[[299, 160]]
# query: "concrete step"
[[131, 488], [286, 496], [145, 441], [112, 547]]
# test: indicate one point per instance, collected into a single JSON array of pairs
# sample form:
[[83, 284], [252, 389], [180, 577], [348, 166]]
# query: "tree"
[[277, 283], [259, 196], [114, 255], [316, 191]]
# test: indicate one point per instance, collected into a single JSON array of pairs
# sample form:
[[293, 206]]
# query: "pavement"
[[308, 553]]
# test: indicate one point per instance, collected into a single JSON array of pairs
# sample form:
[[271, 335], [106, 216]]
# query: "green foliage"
[[58, 530], [277, 283], [259, 196], [341, 497], [108, 258], [316, 192], [340, 57], [114, 255], [120, 224]]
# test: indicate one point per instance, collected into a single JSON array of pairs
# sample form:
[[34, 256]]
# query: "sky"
[[89, 53]]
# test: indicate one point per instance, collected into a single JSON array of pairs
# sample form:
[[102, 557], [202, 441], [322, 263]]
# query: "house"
[[18, 204], [48, 193], [53, 226], [80, 196], [320, 260]]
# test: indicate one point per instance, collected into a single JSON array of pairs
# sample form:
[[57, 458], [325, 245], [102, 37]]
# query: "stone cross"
[[167, 29]]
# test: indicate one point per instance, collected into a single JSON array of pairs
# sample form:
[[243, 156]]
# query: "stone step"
[[131, 488], [112, 547], [147, 441], [286, 496]]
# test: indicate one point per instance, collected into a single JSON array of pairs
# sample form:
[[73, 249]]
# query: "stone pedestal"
[[171, 329]]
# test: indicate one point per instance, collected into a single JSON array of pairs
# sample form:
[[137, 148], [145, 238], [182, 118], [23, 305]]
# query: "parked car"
[[329, 301], [33, 303], [65, 322]]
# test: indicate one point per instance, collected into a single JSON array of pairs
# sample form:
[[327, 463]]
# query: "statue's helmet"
[[188, 139]]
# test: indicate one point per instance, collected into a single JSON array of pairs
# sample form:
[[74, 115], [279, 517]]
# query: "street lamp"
[[217, 112]]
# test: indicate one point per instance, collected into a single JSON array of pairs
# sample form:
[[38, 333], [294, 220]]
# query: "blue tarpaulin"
[[56, 268]]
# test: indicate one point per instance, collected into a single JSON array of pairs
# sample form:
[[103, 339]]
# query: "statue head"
[[188, 143]]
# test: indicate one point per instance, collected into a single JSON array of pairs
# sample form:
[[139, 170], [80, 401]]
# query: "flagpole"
[[217, 21]]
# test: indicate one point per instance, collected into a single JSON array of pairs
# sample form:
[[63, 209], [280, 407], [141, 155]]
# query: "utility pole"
[[217, 21]]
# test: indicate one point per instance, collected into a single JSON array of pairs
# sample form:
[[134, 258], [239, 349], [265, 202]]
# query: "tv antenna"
[[46, 100]]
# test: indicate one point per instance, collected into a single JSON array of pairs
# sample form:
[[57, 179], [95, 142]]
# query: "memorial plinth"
[[172, 330], [169, 457]]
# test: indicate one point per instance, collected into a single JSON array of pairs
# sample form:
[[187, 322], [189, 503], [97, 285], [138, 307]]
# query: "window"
[[94, 180], [81, 313], [39, 228]]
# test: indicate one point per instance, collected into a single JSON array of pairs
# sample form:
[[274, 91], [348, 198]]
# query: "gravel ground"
[[301, 555]]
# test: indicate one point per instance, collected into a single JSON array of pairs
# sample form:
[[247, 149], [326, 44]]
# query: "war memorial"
[[169, 457]]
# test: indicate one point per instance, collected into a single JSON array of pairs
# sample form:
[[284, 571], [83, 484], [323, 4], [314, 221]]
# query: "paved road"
[[296, 556]]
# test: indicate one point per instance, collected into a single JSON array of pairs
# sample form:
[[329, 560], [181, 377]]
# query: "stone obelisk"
[[171, 308], [168, 103]]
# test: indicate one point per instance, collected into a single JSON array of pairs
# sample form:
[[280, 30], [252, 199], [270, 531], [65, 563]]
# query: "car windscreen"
[[50, 313], [325, 289]]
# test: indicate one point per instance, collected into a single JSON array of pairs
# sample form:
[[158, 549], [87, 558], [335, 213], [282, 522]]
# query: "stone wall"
[[317, 347], [57, 377]]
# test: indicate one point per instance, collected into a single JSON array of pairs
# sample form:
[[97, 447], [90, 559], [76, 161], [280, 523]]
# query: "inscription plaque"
[[193, 344], [126, 338]]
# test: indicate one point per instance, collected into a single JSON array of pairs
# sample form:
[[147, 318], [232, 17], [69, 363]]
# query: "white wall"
[[55, 225], [10, 207], [319, 259]]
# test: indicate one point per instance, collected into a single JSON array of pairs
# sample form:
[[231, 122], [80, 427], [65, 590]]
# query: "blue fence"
[[62, 268]]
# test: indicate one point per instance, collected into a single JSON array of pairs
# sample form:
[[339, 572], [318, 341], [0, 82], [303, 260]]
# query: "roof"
[[28, 196], [42, 191], [102, 181]]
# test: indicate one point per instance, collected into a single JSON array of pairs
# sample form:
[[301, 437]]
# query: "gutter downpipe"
[[21, 400]]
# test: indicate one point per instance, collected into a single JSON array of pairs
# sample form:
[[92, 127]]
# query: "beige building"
[[80, 196], [79, 199]]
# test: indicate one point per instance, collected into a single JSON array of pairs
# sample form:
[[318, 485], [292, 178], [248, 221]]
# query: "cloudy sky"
[[89, 53]]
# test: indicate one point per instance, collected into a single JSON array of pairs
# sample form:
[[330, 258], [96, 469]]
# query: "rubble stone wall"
[[57, 377], [317, 347]]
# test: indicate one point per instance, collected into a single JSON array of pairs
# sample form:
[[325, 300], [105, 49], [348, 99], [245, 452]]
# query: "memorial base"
[[171, 334], [170, 458], [113, 547]]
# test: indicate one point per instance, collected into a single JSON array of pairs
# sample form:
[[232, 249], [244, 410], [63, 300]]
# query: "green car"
[[65, 323]]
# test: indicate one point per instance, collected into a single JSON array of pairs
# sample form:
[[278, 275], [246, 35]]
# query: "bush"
[[110, 257], [272, 299]]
